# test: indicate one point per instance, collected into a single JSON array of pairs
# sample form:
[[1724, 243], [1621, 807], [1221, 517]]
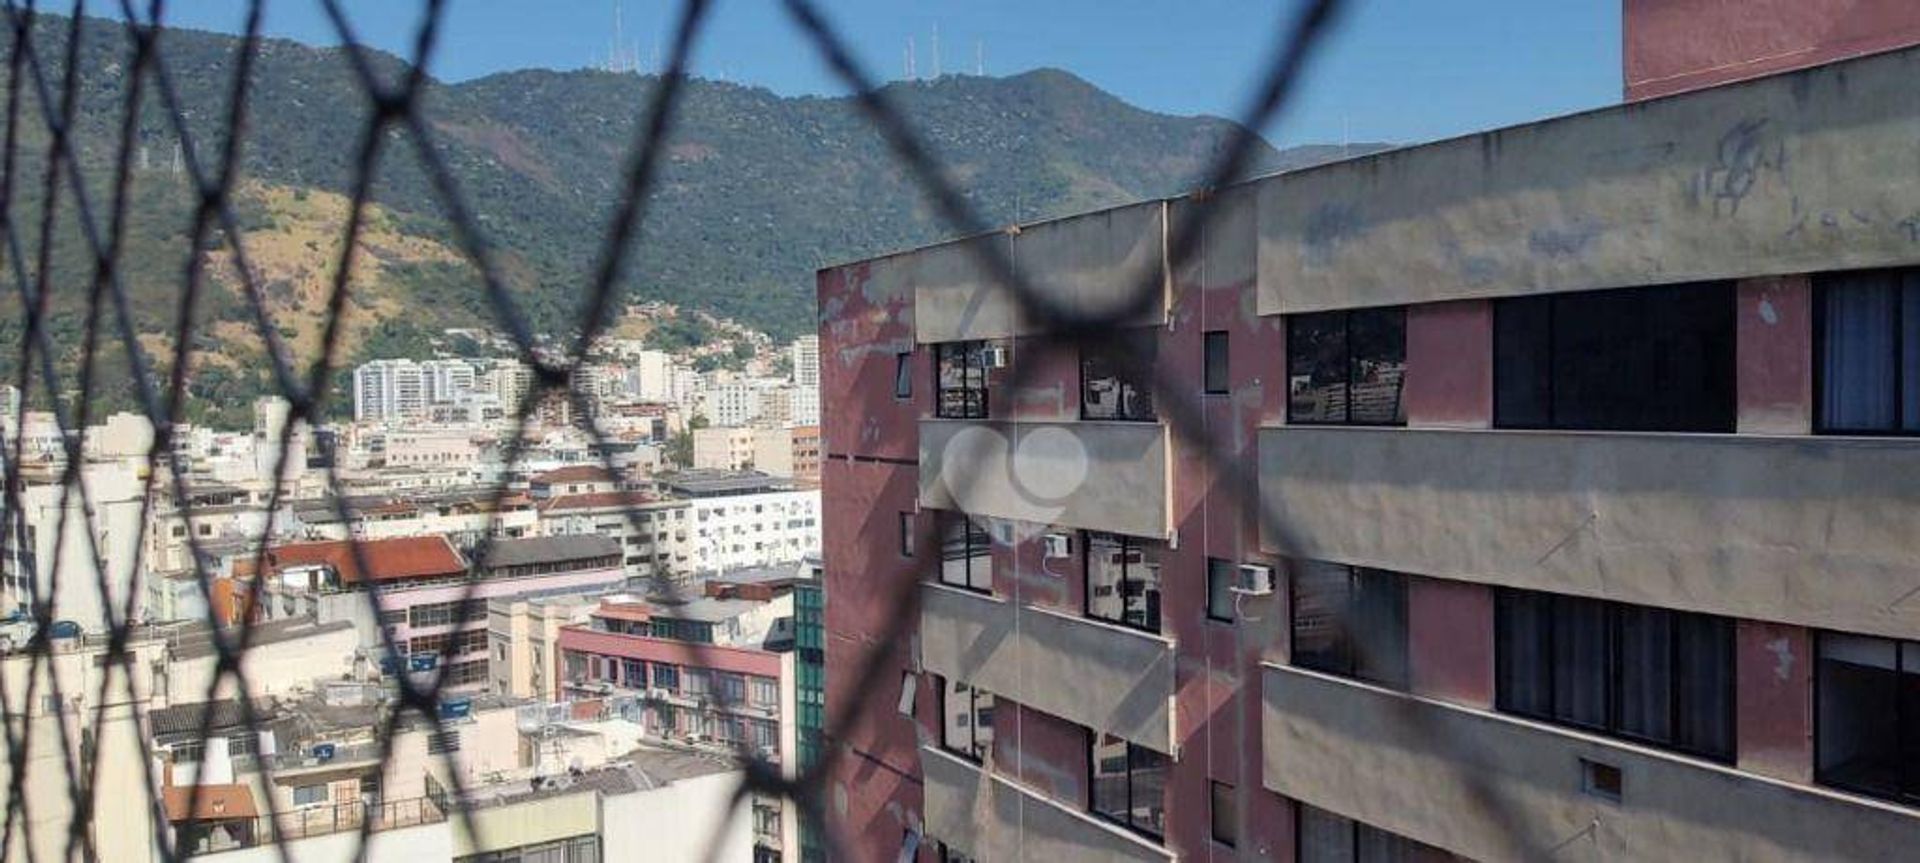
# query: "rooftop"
[[387, 559], [551, 549], [599, 500], [573, 473], [710, 483]]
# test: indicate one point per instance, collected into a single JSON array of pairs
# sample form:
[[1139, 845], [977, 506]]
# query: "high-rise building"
[[447, 381], [388, 391], [1541, 489], [805, 356]]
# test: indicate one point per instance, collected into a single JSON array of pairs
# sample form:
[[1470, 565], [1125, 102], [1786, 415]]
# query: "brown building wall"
[[1671, 46]]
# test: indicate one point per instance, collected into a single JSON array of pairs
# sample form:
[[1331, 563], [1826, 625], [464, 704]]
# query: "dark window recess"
[[903, 376], [1214, 375], [906, 534], [945, 854], [1601, 780], [1646, 674], [1123, 584], [1129, 784], [966, 553], [960, 376], [1350, 621], [1116, 377], [1640, 359], [1868, 327], [1346, 368], [966, 720], [1226, 820], [1323, 837], [1221, 577], [1867, 716]]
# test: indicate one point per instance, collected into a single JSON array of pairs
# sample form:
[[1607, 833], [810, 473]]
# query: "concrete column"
[[1450, 640], [1774, 332], [1449, 381], [1773, 726]]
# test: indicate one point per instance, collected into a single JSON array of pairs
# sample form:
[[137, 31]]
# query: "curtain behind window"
[[1858, 356]]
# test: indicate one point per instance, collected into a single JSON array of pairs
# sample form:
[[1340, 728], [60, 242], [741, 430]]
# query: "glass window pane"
[[1522, 631], [1322, 593], [1109, 765], [1225, 818], [1106, 567], [956, 718], [1910, 353], [1379, 627], [1522, 366], [1858, 356], [1705, 691], [1147, 790], [1317, 368], [1221, 575], [1114, 377], [1580, 661], [1324, 837], [1646, 673], [1215, 373], [1857, 714], [1378, 363], [903, 376], [1142, 588]]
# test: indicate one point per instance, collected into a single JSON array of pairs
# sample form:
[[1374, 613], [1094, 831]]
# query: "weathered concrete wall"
[[1677, 45], [1105, 677], [1814, 531], [1109, 476], [1496, 788], [1803, 172], [866, 321], [1086, 265], [992, 818]]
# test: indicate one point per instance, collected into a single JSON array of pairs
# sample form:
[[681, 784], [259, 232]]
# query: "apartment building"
[[389, 391], [1586, 468], [707, 671], [749, 519], [429, 605], [724, 448]]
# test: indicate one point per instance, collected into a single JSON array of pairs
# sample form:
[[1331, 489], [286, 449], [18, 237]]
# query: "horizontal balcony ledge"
[[1107, 677], [1017, 822], [1495, 786], [1103, 475], [1809, 530], [1894, 441]]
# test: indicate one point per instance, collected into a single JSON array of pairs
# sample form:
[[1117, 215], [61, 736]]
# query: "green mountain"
[[758, 191]]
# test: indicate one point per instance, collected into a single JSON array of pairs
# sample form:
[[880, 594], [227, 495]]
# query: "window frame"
[[976, 750], [1348, 364], [1612, 674], [1208, 384], [971, 534], [906, 535], [1093, 769], [903, 376], [1121, 340], [1230, 571], [1347, 641], [1214, 787], [1903, 726], [1127, 543], [974, 403], [1821, 290]]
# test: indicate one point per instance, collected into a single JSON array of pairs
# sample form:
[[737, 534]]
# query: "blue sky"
[[1395, 70]]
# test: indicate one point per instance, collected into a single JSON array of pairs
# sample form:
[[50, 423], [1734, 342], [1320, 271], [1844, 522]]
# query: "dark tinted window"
[[966, 720], [1351, 622], [1347, 367], [1658, 676], [1114, 377], [1869, 352], [1215, 362], [1226, 821], [903, 376], [1868, 716], [1644, 359], [1128, 784], [966, 553], [1221, 575]]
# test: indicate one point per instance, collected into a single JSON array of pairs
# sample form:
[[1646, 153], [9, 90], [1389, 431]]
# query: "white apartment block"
[[747, 520], [653, 373], [389, 390], [723, 448], [448, 381], [805, 354]]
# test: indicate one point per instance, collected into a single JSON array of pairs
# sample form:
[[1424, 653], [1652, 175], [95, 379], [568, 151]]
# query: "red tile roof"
[[638, 612], [216, 803], [389, 559], [597, 500], [574, 473]]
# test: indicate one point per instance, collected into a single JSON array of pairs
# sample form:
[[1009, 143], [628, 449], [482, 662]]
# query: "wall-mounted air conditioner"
[[994, 356], [1255, 580], [1059, 545]]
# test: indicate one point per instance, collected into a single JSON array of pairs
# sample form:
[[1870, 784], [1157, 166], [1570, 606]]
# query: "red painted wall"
[[864, 324], [1774, 337], [1449, 381], [1450, 640], [1774, 699], [1676, 45]]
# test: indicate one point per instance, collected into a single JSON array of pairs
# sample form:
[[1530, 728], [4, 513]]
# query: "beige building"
[[726, 447]]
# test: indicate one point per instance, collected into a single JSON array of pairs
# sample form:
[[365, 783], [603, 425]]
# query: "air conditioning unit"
[[1255, 580], [994, 356], [1058, 545], [659, 692]]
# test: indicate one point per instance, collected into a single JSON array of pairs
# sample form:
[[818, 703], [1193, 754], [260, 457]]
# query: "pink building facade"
[[1581, 459]]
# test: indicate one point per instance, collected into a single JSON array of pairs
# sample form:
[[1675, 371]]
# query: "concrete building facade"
[[1586, 459]]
